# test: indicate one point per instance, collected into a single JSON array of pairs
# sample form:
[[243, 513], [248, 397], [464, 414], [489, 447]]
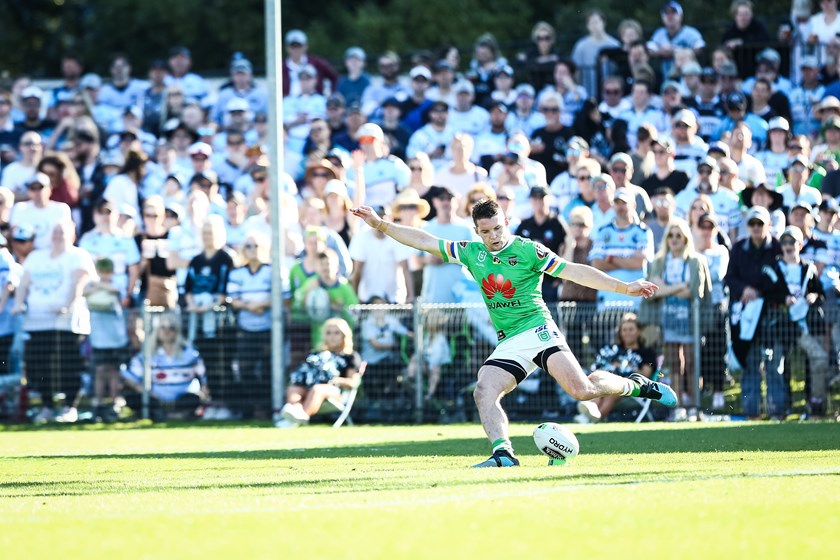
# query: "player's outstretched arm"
[[406, 235], [591, 277]]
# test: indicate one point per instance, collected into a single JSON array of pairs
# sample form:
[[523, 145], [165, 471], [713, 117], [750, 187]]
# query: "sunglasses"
[[612, 92], [707, 226], [619, 170], [659, 152], [544, 38], [34, 187], [663, 204], [502, 198], [584, 177], [30, 144], [794, 147], [167, 327], [680, 125], [550, 109], [675, 236], [756, 223], [259, 178], [704, 171], [416, 168], [104, 211], [577, 224], [250, 246], [151, 216], [475, 200], [235, 142], [787, 241], [510, 161], [322, 174]]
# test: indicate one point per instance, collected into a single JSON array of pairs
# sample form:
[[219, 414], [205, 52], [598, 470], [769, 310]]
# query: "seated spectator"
[[326, 371], [587, 49], [682, 276], [375, 94], [393, 127], [39, 214], [643, 111], [580, 227], [436, 354], [549, 143], [55, 314], [108, 339], [487, 59], [590, 125], [726, 203], [586, 173], [564, 186], [300, 109], [352, 85], [124, 188], [626, 355], [193, 86], [621, 170], [738, 115], [179, 383], [479, 192], [830, 148], [380, 349], [465, 116], [434, 137], [571, 93], [249, 289], [534, 171], [242, 86], [775, 156]]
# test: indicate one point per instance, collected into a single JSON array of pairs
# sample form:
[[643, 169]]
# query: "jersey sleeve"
[[454, 251], [545, 260]]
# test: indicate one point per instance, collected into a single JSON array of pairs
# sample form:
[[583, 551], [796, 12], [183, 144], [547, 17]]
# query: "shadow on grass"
[[724, 438]]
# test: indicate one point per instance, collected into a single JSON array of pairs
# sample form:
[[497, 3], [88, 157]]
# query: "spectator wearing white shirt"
[[461, 175], [243, 87], [123, 189], [726, 203], [434, 137], [491, 144], [384, 175], [195, 87], [377, 93], [642, 111], [805, 97], [523, 117], [689, 149], [123, 91], [18, 173], [300, 110], [39, 213], [465, 116], [380, 266], [673, 35], [796, 189]]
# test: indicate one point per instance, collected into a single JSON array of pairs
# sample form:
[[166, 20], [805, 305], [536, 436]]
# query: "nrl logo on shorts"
[[542, 252], [512, 261]]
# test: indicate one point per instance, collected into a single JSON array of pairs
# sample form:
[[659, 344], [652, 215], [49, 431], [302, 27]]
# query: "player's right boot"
[[654, 390], [500, 458]]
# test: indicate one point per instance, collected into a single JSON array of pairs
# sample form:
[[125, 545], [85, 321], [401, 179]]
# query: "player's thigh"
[[564, 367], [493, 382]]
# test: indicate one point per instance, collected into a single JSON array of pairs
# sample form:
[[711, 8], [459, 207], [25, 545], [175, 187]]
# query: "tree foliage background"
[[35, 33]]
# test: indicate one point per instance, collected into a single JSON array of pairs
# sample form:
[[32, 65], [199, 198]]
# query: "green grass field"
[[727, 490]]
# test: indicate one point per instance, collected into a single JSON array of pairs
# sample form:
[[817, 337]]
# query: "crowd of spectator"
[[705, 168]]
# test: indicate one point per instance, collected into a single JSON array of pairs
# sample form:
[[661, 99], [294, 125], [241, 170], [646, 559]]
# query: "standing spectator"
[[376, 94], [805, 98], [590, 125], [830, 149], [439, 277], [620, 167], [796, 189], [564, 186], [50, 294], [384, 175], [549, 143], [586, 173], [603, 211], [249, 288], [154, 97], [301, 109], [32, 100], [765, 196], [524, 118], [158, 284], [8, 134], [18, 173], [86, 156], [642, 111], [745, 35], [124, 91], [774, 158], [546, 227], [125, 187], [242, 86], [713, 318], [72, 67], [297, 57], [682, 276], [572, 94], [193, 86], [324, 296], [727, 205], [491, 144], [823, 26], [707, 104], [434, 137], [487, 59], [622, 247], [503, 92], [443, 75], [10, 276], [580, 227], [737, 114], [751, 311], [40, 213], [381, 267], [461, 175], [352, 85], [586, 52], [665, 174], [664, 205], [673, 35], [465, 116], [538, 61]]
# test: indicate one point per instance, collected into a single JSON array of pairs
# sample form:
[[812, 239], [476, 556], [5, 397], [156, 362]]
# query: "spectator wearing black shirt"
[[548, 144], [665, 175], [745, 36], [547, 228]]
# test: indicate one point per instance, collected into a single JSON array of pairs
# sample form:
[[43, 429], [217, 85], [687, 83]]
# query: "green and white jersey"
[[510, 280]]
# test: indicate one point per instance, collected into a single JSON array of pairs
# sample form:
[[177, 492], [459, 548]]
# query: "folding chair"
[[343, 403]]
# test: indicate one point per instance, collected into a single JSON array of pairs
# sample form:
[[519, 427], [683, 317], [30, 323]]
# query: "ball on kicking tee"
[[556, 441]]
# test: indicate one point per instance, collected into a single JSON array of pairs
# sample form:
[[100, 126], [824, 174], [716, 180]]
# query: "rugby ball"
[[556, 441]]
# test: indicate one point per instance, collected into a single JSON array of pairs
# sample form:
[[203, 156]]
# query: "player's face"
[[494, 232]]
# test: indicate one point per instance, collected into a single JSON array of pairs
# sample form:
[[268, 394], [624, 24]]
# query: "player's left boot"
[[654, 390], [500, 458]]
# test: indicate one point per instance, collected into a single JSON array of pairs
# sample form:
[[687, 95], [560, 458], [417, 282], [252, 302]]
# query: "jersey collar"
[[509, 243]]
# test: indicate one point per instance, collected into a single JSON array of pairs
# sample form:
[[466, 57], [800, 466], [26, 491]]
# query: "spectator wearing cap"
[[72, 67], [381, 266], [300, 109], [39, 212], [729, 175], [237, 120], [434, 137], [665, 173], [414, 106], [534, 171], [487, 59], [803, 217], [671, 96], [736, 110], [768, 62], [622, 247], [620, 167], [396, 132], [726, 204], [16, 174], [353, 84], [384, 175], [297, 57], [123, 91], [236, 211], [728, 79], [587, 49], [689, 149], [549, 143], [154, 96], [775, 156], [642, 111], [32, 103], [805, 97], [491, 144], [796, 189], [336, 113], [22, 241], [765, 196], [439, 278], [673, 35], [707, 104], [524, 117], [201, 160], [193, 86], [208, 183], [573, 94], [376, 93], [242, 86], [465, 115], [503, 91], [744, 33], [124, 188], [443, 74], [348, 140], [319, 141], [462, 174]]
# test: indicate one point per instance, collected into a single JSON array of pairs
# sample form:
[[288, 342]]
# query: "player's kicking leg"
[[493, 384], [564, 367]]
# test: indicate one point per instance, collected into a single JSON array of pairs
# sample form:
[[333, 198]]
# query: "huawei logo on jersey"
[[496, 284]]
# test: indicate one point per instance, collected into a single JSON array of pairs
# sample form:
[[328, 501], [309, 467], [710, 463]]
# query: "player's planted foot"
[[500, 458], [654, 390]]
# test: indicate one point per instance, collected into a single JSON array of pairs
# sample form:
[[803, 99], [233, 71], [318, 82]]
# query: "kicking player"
[[509, 270]]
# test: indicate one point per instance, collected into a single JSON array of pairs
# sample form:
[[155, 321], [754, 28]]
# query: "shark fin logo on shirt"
[[497, 284]]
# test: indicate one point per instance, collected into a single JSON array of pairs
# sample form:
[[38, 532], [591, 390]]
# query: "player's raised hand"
[[641, 288], [368, 215]]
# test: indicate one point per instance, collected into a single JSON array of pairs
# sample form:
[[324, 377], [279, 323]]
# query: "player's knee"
[[485, 391]]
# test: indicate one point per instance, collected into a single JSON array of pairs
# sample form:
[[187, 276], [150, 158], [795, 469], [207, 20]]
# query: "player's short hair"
[[485, 209]]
